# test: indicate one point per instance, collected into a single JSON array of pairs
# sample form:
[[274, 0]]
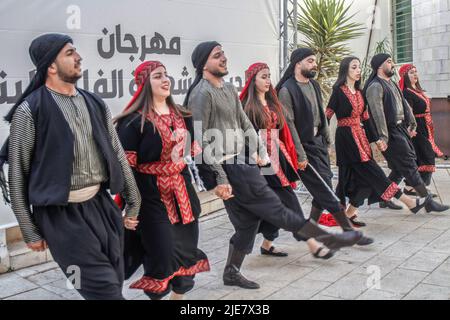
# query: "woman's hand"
[[130, 223], [381, 145]]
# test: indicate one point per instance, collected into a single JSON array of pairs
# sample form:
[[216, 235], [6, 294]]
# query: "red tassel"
[[327, 220], [119, 201]]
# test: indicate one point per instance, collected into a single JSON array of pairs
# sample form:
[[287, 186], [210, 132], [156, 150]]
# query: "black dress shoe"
[[435, 206], [390, 205], [271, 252], [365, 241], [233, 277], [327, 256], [356, 223]]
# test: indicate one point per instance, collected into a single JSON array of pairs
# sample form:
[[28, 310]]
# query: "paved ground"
[[409, 260]]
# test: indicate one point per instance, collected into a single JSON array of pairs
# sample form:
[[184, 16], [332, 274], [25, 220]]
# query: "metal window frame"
[[405, 33]]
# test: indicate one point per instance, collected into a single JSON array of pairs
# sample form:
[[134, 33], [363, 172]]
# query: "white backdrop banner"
[[114, 37]]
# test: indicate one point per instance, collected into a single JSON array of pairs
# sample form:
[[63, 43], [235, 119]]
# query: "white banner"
[[114, 37]]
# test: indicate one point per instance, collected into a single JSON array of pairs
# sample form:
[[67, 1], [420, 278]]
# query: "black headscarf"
[[199, 57], [375, 63], [43, 51], [296, 56]]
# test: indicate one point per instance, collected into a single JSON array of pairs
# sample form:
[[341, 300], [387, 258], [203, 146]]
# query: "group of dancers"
[[65, 151]]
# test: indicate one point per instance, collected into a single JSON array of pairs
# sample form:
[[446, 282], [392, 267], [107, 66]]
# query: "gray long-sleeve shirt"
[[88, 168], [374, 97], [221, 115]]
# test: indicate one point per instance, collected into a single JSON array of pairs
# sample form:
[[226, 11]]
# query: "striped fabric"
[[88, 166]]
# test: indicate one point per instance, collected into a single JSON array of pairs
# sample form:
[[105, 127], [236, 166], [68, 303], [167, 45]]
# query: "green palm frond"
[[327, 26]]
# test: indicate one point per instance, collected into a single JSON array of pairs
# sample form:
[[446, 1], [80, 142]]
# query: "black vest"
[[52, 160], [389, 103], [303, 115]]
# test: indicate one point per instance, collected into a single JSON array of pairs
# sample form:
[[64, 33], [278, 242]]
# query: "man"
[[63, 154], [301, 96], [232, 166], [395, 126]]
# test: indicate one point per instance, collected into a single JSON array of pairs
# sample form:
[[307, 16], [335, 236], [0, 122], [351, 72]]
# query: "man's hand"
[[224, 191], [40, 245], [381, 145], [412, 133], [302, 165], [130, 223]]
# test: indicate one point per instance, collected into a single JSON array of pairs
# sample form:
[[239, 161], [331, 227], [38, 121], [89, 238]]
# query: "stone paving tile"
[[299, 290], [425, 261], [410, 256], [428, 292], [385, 264], [348, 287], [334, 271], [402, 280], [374, 294], [36, 294], [440, 276], [12, 284], [36, 269], [46, 277]]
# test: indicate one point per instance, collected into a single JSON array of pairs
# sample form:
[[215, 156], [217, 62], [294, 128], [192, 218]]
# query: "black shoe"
[[420, 206], [329, 254], [271, 252], [365, 241], [233, 277], [435, 206], [390, 205], [357, 223], [331, 241]]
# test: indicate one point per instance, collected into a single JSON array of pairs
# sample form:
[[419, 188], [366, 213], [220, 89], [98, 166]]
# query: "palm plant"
[[327, 26]]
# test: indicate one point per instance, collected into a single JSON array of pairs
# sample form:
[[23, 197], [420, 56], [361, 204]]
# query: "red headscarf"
[[141, 75], [285, 134], [404, 73]]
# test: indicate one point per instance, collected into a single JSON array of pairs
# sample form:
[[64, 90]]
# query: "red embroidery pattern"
[[354, 122], [329, 113], [428, 121], [195, 148], [427, 168], [271, 148], [157, 286], [390, 192], [170, 182], [132, 158]]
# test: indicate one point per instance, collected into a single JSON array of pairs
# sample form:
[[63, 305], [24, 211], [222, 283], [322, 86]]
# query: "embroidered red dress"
[[424, 144], [360, 177], [167, 236], [283, 176]]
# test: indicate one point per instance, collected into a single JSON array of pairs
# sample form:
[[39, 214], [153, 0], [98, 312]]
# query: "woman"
[[360, 177], [264, 110], [154, 133], [424, 145]]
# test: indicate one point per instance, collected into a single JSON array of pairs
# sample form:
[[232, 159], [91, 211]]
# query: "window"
[[403, 44]]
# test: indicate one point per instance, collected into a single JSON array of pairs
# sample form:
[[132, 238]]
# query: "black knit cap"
[[199, 57], [296, 56], [43, 52], [375, 63], [378, 60]]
